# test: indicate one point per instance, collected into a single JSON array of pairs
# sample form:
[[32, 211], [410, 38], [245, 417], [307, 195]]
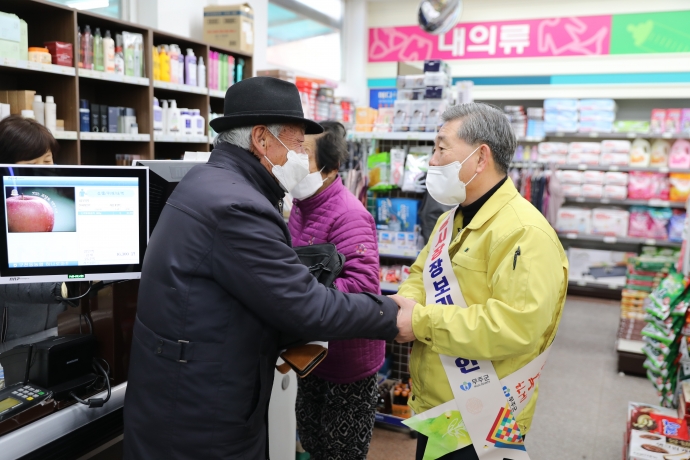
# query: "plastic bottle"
[[164, 110], [197, 123], [680, 155], [51, 114], [84, 116], [201, 73], [222, 72], [185, 122], [39, 109], [109, 53], [119, 56], [173, 64], [98, 51], [174, 118], [231, 71], [164, 58], [239, 70], [80, 51], [660, 153], [640, 153], [156, 63], [87, 49], [211, 70], [180, 65], [157, 117], [190, 68]]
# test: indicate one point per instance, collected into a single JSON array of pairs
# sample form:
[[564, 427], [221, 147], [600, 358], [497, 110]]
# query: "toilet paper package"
[[615, 192], [572, 190], [561, 104], [610, 221], [584, 147], [552, 147], [593, 177], [592, 190], [618, 159], [605, 105], [616, 178], [583, 158], [615, 146], [570, 177]]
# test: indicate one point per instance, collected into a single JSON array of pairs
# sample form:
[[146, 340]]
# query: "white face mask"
[[444, 184], [293, 171], [308, 186]]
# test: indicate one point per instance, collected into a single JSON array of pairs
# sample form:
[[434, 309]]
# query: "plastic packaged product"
[[98, 63], [592, 190], [584, 147], [418, 111], [685, 121], [583, 158], [680, 155], [660, 153], [680, 187], [615, 192], [379, 166], [552, 147], [108, 53], [676, 225], [647, 185], [640, 153], [411, 81], [133, 54], [596, 127], [563, 127], [666, 296], [198, 123], [615, 146], [631, 126], [190, 68], [607, 221], [119, 62], [39, 109], [433, 118], [570, 177], [157, 116], [384, 120], [607, 105], [560, 117], [556, 159], [673, 120], [649, 222], [561, 104], [201, 73], [397, 166], [616, 178], [593, 177], [401, 120], [597, 116], [618, 159], [658, 122], [436, 79], [572, 219], [416, 166]]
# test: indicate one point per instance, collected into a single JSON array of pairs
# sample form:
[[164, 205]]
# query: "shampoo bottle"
[[185, 122], [201, 73], [80, 51], [157, 117], [119, 56], [164, 111], [156, 63], [173, 64], [51, 114], [164, 58], [98, 51], [190, 68], [180, 65], [109, 53], [197, 123], [39, 110], [239, 70], [87, 50], [174, 118], [231, 71], [84, 116]]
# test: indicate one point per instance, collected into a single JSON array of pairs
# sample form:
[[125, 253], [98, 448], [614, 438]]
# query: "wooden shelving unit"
[[52, 22]]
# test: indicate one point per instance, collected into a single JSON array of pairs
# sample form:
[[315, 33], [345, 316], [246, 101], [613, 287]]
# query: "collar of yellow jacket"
[[503, 195]]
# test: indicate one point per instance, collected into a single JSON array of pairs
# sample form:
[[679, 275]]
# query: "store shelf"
[[115, 137], [596, 284], [679, 90], [585, 167], [621, 135], [630, 346], [394, 136], [107, 76], [180, 87], [652, 203], [216, 93], [65, 135], [618, 239], [7, 63], [529, 139], [180, 139], [389, 287]]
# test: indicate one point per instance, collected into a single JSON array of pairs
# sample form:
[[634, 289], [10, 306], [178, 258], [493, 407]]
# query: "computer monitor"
[[164, 175], [72, 223]]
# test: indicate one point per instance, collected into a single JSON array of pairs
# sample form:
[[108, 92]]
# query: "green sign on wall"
[[667, 32]]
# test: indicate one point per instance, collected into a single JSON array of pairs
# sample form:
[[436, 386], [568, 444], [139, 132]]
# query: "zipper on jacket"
[[515, 257]]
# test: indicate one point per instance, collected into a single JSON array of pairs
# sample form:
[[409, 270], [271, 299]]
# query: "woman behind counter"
[[336, 403], [25, 141]]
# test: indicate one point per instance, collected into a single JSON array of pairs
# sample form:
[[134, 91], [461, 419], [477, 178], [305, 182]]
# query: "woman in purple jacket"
[[336, 403]]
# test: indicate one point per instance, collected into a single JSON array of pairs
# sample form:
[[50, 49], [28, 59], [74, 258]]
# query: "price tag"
[[580, 199], [571, 236], [614, 168], [593, 134], [581, 283], [582, 167], [610, 239], [605, 201], [650, 242], [667, 135], [632, 135]]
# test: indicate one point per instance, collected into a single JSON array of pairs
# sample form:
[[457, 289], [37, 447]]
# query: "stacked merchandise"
[[393, 274], [673, 121], [99, 118], [28, 104], [15, 38], [171, 65], [517, 118], [397, 227], [393, 397], [560, 115], [585, 115], [610, 185], [365, 118], [308, 91], [171, 120], [535, 122], [122, 56], [422, 99], [597, 115], [655, 433], [615, 152], [224, 70], [325, 98]]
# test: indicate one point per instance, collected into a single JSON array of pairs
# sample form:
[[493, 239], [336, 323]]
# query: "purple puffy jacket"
[[335, 216]]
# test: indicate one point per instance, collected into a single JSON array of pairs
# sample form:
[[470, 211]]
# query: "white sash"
[[488, 405]]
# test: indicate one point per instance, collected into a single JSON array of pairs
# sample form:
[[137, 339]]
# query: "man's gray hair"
[[242, 136], [485, 124]]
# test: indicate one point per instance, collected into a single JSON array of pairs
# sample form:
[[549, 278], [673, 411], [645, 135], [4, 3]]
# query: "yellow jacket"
[[514, 304]]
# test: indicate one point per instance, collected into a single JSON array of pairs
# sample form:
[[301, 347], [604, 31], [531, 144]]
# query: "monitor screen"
[[164, 175], [70, 223]]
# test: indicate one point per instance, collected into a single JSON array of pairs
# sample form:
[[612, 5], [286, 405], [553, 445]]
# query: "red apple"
[[28, 214]]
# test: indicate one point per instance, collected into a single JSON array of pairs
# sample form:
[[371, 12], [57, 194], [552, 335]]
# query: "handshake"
[[405, 308]]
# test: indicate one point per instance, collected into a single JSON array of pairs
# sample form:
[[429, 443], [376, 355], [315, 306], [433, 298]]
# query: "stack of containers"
[[14, 39], [615, 185], [574, 220], [423, 98], [572, 182], [561, 115], [518, 119], [535, 122], [325, 97], [308, 91], [610, 221], [597, 115], [615, 152], [223, 71]]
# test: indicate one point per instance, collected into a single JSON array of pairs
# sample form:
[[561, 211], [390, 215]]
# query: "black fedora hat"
[[262, 101]]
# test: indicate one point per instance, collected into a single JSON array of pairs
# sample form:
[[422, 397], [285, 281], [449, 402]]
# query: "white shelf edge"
[[617, 239], [394, 136], [107, 76], [117, 137], [28, 65], [180, 139], [216, 93], [180, 87], [65, 135]]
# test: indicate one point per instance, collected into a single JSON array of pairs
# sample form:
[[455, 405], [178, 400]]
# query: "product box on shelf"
[[384, 120], [433, 117], [616, 178], [401, 120], [573, 219], [436, 92], [230, 26], [396, 214], [685, 121], [436, 79], [365, 117], [673, 121], [572, 190], [596, 265], [631, 126], [398, 243], [606, 221], [583, 158], [18, 100], [658, 122], [411, 82], [593, 177], [61, 53], [584, 147], [656, 433], [418, 113], [592, 190], [615, 146], [436, 65]]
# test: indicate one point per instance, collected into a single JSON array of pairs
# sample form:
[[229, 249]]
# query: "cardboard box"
[[230, 26], [20, 100]]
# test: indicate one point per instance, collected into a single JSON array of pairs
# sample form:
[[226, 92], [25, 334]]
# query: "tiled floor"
[[581, 413]]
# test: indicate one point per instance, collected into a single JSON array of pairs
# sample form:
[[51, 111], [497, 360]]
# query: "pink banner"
[[575, 36]]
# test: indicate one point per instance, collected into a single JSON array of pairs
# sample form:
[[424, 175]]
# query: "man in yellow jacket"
[[509, 263]]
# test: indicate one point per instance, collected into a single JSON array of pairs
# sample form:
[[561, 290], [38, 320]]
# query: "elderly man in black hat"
[[221, 283]]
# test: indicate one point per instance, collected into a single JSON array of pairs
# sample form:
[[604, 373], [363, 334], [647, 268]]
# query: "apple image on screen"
[[29, 214]]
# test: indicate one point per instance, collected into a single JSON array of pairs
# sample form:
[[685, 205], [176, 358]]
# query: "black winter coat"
[[220, 274]]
